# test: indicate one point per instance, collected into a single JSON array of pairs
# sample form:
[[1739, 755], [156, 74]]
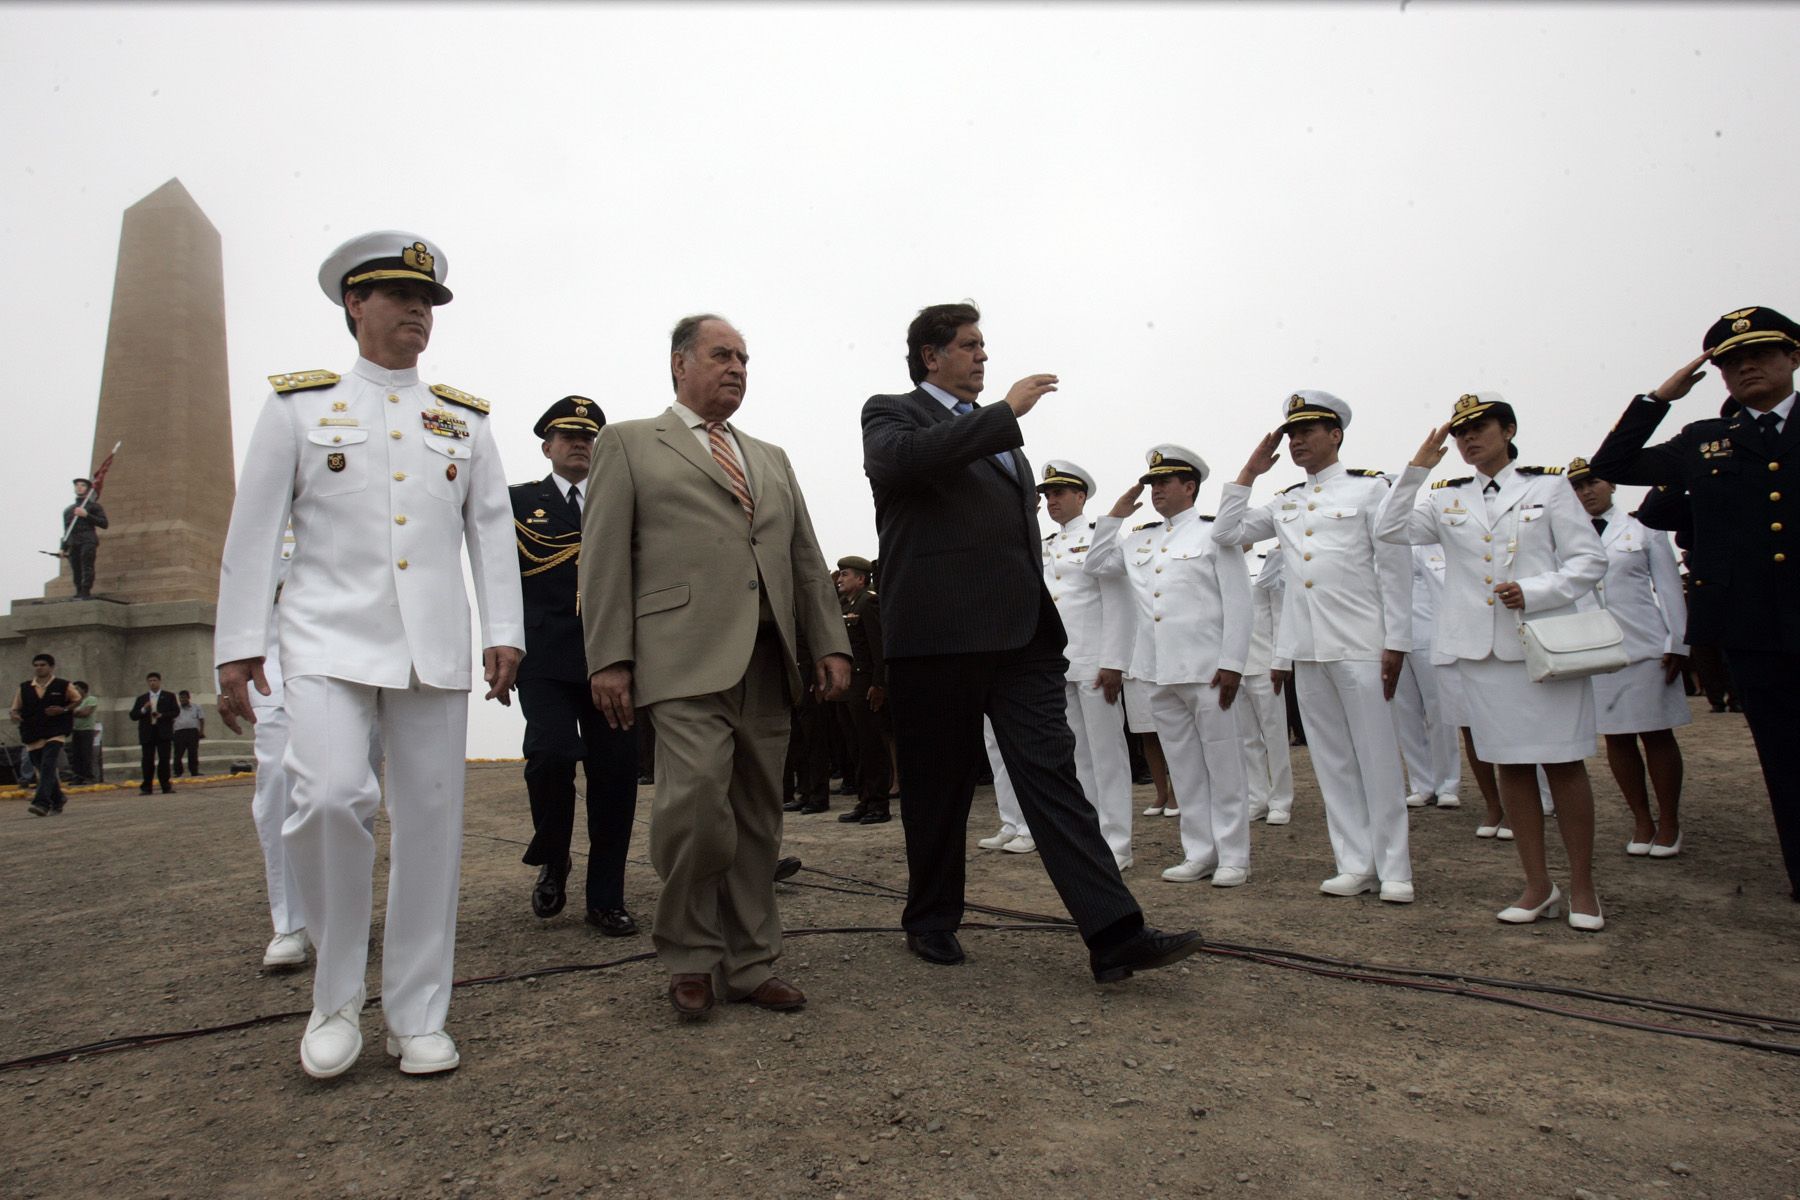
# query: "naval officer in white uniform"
[[1346, 625], [1264, 718], [385, 479], [1516, 544], [1096, 612], [1190, 639], [1422, 714], [1645, 701]]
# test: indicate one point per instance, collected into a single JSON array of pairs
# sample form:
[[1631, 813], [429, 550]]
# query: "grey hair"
[[686, 333]]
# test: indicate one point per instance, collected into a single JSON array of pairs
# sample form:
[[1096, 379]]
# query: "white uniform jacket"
[[1538, 537], [1192, 603], [1428, 594], [1348, 595], [1265, 622], [1095, 612], [384, 483], [1642, 588]]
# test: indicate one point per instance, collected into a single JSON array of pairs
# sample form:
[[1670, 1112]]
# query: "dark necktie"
[[1492, 486], [575, 501], [1599, 524], [964, 408], [1771, 426]]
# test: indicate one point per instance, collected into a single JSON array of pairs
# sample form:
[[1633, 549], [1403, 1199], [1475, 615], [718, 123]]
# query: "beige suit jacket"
[[671, 571]]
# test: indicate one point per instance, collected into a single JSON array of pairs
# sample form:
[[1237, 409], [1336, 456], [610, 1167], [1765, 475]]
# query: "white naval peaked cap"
[[1309, 404], [1060, 472], [385, 254], [1170, 459]]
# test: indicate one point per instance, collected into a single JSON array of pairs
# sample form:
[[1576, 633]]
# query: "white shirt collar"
[[940, 395], [1075, 522], [384, 377], [1785, 409], [1327, 474], [1186, 514], [1501, 477], [563, 485], [689, 417]]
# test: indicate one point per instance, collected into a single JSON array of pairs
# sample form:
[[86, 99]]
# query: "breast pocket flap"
[[337, 437]]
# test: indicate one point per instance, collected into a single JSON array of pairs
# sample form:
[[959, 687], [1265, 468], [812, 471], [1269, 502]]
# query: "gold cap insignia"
[[1466, 401], [339, 406], [1049, 472], [580, 410], [1741, 324], [1738, 315], [1578, 464], [1156, 458], [419, 258], [1294, 402], [335, 461]]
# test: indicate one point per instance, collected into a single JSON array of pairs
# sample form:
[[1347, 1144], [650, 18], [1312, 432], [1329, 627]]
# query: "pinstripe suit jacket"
[[961, 565]]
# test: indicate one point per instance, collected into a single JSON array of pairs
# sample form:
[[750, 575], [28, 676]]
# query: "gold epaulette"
[[1146, 525], [1290, 487], [299, 381], [1364, 473], [444, 391], [1444, 483], [1539, 470]]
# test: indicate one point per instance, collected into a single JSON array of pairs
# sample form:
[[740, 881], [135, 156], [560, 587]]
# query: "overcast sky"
[[1185, 211]]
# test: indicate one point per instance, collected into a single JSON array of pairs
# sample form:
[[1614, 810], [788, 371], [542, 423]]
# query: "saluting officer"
[[562, 726], [1739, 472], [868, 691], [385, 479], [1096, 613], [1191, 636], [1346, 625]]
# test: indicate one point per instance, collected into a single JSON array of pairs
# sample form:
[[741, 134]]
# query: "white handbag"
[[1573, 646]]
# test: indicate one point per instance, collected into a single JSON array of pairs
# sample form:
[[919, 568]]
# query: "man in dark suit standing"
[[562, 726], [1738, 473], [970, 630], [154, 713]]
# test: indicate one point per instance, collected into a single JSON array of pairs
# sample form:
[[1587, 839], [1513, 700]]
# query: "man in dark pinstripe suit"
[[970, 630]]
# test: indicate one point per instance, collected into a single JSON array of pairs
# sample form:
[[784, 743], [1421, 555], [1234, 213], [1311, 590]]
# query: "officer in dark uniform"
[[1741, 472], [807, 774], [80, 542], [868, 690], [562, 726]]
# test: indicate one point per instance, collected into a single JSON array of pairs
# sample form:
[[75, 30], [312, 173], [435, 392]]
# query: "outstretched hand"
[[1025, 394]]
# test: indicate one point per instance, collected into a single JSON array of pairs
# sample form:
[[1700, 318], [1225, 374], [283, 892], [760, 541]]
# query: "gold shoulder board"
[[1444, 483], [445, 392], [297, 381]]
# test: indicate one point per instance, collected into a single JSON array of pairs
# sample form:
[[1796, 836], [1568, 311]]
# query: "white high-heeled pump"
[[1585, 923], [1669, 851], [1551, 908], [1637, 849]]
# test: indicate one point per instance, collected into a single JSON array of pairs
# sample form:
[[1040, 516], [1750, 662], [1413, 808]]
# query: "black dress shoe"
[[787, 868], [1146, 950], [144, 791], [939, 947], [613, 922], [876, 814], [550, 894], [793, 804], [854, 815]]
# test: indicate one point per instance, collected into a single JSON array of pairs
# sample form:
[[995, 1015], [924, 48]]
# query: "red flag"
[[101, 470]]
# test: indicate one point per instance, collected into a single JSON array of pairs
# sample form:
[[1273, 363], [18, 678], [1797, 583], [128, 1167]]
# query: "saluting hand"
[[1680, 383], [1431, 451], [1025, 394], [1262, 459], [1128, 503]]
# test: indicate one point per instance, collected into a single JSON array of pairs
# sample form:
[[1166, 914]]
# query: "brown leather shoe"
[[692, 996], [776, 995]]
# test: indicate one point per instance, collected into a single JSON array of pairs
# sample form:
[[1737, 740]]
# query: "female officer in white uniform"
[[1515, 543], [1642, 590]]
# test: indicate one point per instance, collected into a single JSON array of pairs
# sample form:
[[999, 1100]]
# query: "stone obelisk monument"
[[164, 394]]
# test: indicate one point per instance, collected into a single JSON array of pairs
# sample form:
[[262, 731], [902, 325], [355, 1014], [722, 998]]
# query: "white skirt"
[[1514, 720], [1137, 706], [1450, 694], [1636, 700]]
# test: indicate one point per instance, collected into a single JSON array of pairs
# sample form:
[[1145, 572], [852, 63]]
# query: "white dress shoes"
[[1395, 892], [1448, 800], [1418, 800], [1258, 812], [1486, 831], [1504, 833], [332, 1040], [1586, 924], [1171, 812], [1155, 810], [1551, 908], [998, 841], [1637, 849], [425, 1053], [1191, 871], [1231, 877], [1278, 816], [1022, 844], [1669, 851], [1348, 884], [286, 950]]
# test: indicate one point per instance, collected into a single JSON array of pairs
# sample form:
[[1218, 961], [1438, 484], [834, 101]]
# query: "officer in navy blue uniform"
[[562, 726], [1741, 472]]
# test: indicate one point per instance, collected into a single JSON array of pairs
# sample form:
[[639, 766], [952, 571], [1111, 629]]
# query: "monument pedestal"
[[113, 646]]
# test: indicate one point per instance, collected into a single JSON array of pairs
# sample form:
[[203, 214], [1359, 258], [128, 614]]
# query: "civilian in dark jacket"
[[154, 713]]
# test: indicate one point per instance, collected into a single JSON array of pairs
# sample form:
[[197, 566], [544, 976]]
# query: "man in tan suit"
[[700, 579]]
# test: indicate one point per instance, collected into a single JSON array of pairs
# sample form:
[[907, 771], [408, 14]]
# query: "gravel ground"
[[1012, 1075]]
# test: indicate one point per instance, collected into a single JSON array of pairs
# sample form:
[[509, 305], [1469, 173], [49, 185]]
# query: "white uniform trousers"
[[270, 807], [1101, 762], [332, 850], [1266, 761], [1356, 759], [1204, 746], [1012, 817], [1429, 744]]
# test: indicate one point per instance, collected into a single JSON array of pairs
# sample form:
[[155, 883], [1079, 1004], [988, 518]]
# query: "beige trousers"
[[715, 825]]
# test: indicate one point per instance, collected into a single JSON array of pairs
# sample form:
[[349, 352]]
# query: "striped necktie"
[[728, 463]]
